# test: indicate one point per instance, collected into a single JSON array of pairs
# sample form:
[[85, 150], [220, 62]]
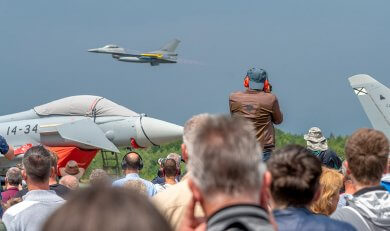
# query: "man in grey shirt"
[[39, 202], [366, 151]]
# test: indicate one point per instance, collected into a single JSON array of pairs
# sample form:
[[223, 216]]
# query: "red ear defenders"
[[124, 163], [246, 82]]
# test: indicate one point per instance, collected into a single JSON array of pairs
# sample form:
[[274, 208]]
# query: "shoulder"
[[302, 220], [236, 94], [342, 214], [148, 183], [19, 208], [176, 195], [118, 182], [333, 224]]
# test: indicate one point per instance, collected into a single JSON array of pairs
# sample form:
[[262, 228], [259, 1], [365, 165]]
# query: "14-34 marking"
[[26, 129]]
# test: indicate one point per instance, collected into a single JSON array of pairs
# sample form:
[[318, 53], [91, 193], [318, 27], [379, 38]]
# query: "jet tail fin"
[[170, 46], [374, 98]]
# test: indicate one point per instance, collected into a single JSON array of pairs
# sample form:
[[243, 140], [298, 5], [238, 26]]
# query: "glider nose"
[[156, 132]]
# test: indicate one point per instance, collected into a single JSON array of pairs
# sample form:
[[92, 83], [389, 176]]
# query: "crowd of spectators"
[[226, 186]]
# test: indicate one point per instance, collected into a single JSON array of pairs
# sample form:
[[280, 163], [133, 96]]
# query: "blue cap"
[[258, 77]]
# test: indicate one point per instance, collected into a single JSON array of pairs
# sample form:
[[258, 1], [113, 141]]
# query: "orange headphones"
[[246, 82]]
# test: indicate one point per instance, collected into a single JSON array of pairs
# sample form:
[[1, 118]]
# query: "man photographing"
[[5, 149], [260, 106]]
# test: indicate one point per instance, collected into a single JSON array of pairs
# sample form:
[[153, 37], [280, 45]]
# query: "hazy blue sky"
[[309, 48]]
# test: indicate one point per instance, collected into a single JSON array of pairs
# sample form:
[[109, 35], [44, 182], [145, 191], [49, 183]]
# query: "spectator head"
[[348, 186], [137, 186], [122, 209], [227, 159], [14, 177], [295, 175], [72, 168], [132, 161], [315, 141], [54, 159], [188, 133], [70, 182], [37, 165], [388, 164], [176, 157], [257, 78], [367, 152], [170, 168], [99, 176], [331, 182]]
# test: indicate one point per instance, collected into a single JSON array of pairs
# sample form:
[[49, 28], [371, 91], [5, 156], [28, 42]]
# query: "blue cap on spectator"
[[257, 77]]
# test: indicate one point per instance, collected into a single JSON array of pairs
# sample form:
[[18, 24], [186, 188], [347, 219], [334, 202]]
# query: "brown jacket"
[[262, 109]]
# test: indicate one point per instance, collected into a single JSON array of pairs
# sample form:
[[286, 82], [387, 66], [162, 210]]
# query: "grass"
[[151, 155]]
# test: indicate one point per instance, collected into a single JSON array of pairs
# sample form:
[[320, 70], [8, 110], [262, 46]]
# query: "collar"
[[293, 210], [132, 175], [369, 189], [253, 91], [238, 210], [12, 189], [41, 195]]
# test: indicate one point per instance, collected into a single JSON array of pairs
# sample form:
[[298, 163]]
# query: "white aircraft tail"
[[170, 46], [374, 98]]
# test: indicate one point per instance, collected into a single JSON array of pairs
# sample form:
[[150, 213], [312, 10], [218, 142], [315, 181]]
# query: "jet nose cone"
[[157, 132], [94, 50]]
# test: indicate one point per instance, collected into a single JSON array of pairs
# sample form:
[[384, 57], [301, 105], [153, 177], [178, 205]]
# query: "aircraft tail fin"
[[374, 98], [170, 46]]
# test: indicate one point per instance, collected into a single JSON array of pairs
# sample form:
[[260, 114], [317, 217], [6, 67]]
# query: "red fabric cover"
[[65, 154], [22, 149]]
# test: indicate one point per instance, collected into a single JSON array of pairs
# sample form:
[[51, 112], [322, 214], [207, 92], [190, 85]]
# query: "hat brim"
[[78, 175], [317, 140]]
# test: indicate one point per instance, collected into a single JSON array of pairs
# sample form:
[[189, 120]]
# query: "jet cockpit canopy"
[[83, 105], [111, 46]]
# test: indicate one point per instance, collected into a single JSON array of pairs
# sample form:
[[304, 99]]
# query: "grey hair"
[[70, 182], [99, 176], [14, 176], [175, 157], [226, 157], [189, 128]]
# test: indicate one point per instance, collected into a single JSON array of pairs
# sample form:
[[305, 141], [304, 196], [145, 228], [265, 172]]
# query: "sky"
[[308, 47]]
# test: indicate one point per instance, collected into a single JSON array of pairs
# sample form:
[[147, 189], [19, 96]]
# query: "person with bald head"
[[69, 181], [132, 164]]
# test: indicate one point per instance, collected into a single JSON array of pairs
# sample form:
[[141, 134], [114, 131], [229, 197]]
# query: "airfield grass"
[[151, 155]]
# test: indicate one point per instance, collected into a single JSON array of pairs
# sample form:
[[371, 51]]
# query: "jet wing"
[[81, 133]]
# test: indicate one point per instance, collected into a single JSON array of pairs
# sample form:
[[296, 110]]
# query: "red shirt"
[[8, 194]]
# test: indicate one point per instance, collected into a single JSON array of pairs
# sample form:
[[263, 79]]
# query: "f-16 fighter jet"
[[85, 122], [374, 98], [165, 54]]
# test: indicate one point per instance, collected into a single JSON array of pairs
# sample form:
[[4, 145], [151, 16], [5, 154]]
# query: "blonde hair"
[[331, 182]]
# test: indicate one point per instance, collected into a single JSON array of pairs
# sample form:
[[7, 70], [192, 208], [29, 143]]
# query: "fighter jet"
[[374, 98], [166, 54], [84, 121]]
